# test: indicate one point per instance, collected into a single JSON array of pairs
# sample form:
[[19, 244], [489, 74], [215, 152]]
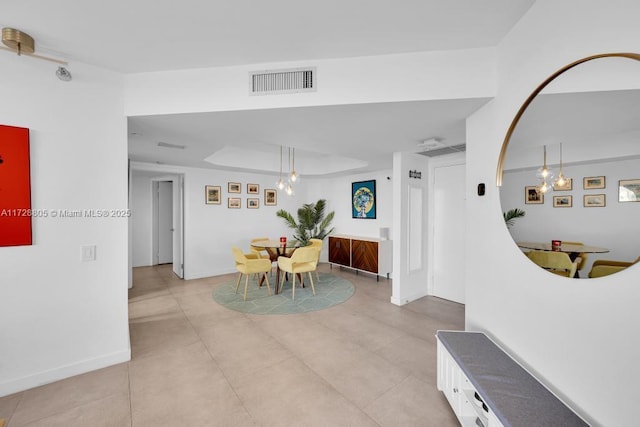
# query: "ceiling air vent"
[[282, 81], [445, 150]]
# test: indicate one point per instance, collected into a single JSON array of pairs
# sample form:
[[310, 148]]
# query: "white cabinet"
[[487, 387], [460, 393]]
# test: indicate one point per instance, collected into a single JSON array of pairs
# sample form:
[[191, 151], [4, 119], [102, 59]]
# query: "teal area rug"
[[330, 290]]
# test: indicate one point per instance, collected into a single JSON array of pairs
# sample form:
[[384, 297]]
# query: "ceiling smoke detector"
[[430, 144]]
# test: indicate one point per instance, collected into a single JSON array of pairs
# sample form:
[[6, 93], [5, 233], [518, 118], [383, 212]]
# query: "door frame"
[[160, 174]]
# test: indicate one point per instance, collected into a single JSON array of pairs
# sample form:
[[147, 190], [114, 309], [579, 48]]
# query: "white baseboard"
[[62, 372], [407, 299]]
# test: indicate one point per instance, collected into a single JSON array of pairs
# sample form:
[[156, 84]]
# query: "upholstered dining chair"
[[554, 262], [303, 260], [605, 267], [261, 252], [317, 243], [248, 266], [582, 255]]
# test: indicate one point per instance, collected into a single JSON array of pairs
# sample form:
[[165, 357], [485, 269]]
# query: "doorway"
[[163, 234], [168, 222]]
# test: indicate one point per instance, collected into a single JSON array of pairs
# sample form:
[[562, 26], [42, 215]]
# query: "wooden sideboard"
[[361, 254]]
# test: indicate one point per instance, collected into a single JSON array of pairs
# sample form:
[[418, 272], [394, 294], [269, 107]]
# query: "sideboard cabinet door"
[[340, 251], [364, 255]]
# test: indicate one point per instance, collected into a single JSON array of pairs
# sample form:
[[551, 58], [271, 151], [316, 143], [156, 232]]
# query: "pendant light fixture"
[[280, 183], [562, 180], [289, 188], [294, 176], [545, 174]]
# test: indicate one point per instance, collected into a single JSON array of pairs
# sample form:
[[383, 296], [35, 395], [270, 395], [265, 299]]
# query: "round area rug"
[[330, 290]]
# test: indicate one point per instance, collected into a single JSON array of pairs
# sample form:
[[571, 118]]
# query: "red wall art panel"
[[15, 187]]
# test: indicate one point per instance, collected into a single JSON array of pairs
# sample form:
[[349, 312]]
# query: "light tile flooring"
[[365, 362]]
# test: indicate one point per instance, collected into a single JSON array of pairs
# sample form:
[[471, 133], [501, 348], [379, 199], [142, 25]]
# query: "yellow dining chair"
[[555, 262], [582, 255], [262, 253], [317, 243], [303, 260], [248, 266], [605, 267]]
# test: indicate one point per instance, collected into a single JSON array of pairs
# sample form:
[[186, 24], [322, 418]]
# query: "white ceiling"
[[132, 36]]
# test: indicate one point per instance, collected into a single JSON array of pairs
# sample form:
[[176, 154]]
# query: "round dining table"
[[275, 249], [572, 249]]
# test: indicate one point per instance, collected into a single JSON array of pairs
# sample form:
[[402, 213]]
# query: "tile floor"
[[365, 362]]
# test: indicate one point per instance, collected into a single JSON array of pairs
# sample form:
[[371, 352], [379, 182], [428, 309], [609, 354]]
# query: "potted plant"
[[511, 215], [312, 222]]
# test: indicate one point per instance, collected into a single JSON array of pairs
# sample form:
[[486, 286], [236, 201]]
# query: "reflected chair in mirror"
[[317, 243], [555, 262], [247, 266], [582, 255], [605, 267], [303, 260]]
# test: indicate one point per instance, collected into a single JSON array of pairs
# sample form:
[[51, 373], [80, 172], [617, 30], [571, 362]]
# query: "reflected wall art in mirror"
[[570, 146]]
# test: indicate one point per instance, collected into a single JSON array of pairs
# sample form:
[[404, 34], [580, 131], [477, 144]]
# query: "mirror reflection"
[[570, 189]]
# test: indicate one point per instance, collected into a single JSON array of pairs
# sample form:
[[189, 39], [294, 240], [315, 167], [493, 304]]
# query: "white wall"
[[405, 77], [61, 316], [614, 226], [337, 193], [141, 227], [580, 339], [408, 284]]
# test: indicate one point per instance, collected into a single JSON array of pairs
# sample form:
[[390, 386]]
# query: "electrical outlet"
[[89, 253]]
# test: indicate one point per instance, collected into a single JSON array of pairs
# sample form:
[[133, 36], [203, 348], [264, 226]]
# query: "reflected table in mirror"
[[572, 249]]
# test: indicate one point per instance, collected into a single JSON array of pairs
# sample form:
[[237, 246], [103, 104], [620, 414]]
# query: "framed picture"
[[234, 202], [270, 197], [595, 200], [234, 187], [363, 199], [253, 189], [629, 190], [15, 187], [533, 195], [212, 195], [253, 203], [593, 182], [568, 185], [562, 201]]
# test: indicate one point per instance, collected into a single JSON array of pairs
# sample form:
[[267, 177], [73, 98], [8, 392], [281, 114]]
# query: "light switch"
[[89, 253]]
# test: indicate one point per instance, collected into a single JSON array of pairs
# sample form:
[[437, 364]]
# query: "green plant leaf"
[[312, 222]]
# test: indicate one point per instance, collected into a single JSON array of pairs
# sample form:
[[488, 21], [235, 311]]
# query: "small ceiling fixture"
[[23, 44]]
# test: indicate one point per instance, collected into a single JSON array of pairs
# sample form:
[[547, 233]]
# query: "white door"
[[448, 233], [178, 207], [165, 222]]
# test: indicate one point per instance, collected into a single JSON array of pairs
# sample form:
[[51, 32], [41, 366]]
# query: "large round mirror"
[[569, 169]]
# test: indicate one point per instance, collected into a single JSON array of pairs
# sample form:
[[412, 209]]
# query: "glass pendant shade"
[[544, 174]]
